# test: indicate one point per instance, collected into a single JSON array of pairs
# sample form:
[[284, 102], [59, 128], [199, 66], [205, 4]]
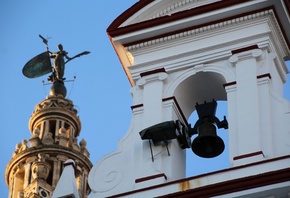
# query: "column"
[[85, 180], [56, 168], [27, 173], [56, 131]]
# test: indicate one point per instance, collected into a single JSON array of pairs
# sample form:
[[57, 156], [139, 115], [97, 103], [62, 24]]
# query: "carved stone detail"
[[62, 137], [35, 140], [52, 101], [47, 139], [40, 169]]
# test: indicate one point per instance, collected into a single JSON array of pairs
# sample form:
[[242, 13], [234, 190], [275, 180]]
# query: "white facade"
[[178, 53]]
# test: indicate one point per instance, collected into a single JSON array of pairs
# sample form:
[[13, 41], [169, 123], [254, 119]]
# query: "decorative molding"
[[179, 6], [256, 53], [178, 107], [230, 87], [227, 186], [150, 78], [267, 75], [264, 79], [230, 84], [136, 106], [58, 108], [203, 29], [53, 101], [108, 175], [249, 155], [121, 25], [164, 100], [235, 185], [150, 177], [236, 51], [152, 72]]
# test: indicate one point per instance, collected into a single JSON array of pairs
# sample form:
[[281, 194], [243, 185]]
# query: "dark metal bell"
[[207, 144]]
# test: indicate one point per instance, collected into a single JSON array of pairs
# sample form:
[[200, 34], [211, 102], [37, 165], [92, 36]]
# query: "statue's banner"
[[38, 66]]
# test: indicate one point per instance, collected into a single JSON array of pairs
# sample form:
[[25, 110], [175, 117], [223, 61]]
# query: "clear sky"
[[101, 90]]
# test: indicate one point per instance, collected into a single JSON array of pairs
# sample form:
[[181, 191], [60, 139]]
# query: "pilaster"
[[247, 120], [152, 90], [231, 89], [152, 86], [266, 114]]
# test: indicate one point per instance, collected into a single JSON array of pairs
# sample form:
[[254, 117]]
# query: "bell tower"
[[182, 56], [37, 163]]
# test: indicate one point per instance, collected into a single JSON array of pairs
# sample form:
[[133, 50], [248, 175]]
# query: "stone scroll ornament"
[[41, 65]]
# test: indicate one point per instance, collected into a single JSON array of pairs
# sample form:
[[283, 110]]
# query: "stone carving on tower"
[[37, 163]]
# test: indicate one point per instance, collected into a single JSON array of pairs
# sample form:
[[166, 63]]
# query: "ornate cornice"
[[51, 151], [209, 27]]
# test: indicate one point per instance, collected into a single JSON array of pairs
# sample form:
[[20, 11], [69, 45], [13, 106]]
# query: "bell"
[[207, 144]]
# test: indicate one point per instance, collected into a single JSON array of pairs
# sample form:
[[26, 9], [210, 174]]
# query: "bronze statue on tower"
[[41, 65], [58, 64]]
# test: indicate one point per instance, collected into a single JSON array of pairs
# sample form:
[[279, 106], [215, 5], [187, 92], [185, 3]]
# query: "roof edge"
[[115, 30], [128, 13]]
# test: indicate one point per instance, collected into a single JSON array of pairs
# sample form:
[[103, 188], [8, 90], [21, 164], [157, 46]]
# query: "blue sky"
[[101, 90]]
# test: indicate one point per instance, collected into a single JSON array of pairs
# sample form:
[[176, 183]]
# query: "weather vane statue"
[[41, 65]]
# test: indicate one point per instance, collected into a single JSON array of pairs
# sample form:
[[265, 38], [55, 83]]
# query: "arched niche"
[[197, 88]]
